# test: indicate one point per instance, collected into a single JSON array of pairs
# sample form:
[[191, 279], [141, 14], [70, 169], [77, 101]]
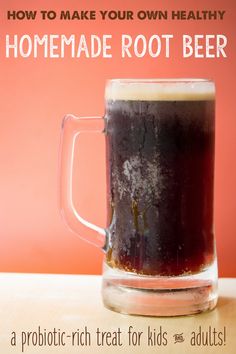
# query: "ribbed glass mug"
[[160, 256]]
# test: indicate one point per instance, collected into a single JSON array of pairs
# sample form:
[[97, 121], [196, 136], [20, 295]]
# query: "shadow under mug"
[[160, 256]]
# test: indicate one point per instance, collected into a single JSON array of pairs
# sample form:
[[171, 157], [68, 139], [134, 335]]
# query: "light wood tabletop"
[[44, 313]]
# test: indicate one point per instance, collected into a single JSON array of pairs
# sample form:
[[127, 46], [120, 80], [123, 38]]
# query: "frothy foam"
[[160, 90]]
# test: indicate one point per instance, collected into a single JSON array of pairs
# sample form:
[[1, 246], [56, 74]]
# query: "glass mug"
[[160, 256]]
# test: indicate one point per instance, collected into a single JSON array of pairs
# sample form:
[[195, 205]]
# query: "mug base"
[[144, 295]]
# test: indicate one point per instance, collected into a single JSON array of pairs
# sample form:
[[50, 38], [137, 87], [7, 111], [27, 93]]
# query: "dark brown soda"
[[160, 173]]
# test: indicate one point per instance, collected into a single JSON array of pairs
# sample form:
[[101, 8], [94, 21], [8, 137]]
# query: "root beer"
[[160, 145]]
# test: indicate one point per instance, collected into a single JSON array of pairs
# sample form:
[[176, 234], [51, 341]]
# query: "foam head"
[[160, 90]]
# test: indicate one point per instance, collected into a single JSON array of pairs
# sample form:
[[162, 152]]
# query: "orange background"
[[35, 95]]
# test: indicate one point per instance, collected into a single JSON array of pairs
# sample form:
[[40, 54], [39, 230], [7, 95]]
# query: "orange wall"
[[35, 95]]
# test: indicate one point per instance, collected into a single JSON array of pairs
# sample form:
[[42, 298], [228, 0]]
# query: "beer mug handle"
[[72, 127]]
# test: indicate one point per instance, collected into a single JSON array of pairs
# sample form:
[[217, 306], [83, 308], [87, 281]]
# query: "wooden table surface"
[[43, 313]]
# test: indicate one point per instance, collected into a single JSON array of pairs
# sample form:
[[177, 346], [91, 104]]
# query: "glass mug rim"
[[158, 89], [159, 80]]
